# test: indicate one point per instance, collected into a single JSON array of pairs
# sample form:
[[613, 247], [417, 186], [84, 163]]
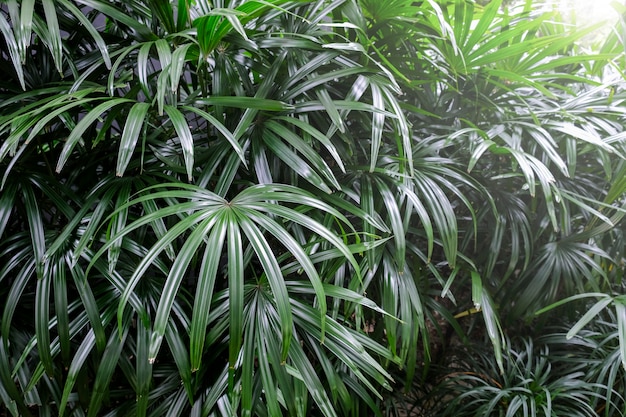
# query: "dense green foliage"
[[344, 207]]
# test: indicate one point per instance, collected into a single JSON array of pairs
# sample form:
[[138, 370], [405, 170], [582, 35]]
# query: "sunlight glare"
[[589, 12]]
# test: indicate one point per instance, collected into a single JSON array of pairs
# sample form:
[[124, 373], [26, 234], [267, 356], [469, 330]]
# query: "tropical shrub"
[[278, 207], [531, 384], [596, 351]]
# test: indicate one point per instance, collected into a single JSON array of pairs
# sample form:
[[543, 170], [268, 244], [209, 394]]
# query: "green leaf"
[[27, 8], [263, 90], [100, 43], [578, 133], [312, 381], [114, 13], [107, 365], [43, 121], [591, 313], [182, 17], [13, 49], [144, 364], [248, 355], [347, 46], [220, 21], [242, 102], [76, 135], [172, 284], [568, 299], [274, 276], [477, 290], [270, 387], [130, 135], [181, 358], [150, 257], [90, 305], [185, 137], [204, 289], [81, 355], [163, 9], [378, 122], [222, 129], [52, 23], [296, 251], [395, 218], [207, 28], [61, 306], [7, 202], [335, 291], [42, 318], [179, 58], [165, 60], [302, 219], [494, 330], [620, 311], [296, 163], [142, 67], [36, 228], [328, 105], [236, 307], [117, 223], [316, 134]]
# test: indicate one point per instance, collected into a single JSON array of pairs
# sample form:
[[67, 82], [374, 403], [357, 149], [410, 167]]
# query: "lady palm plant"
[[511, 112], [258, 207], [596, 350], [527, 137], [175, 172], [532, 384]]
